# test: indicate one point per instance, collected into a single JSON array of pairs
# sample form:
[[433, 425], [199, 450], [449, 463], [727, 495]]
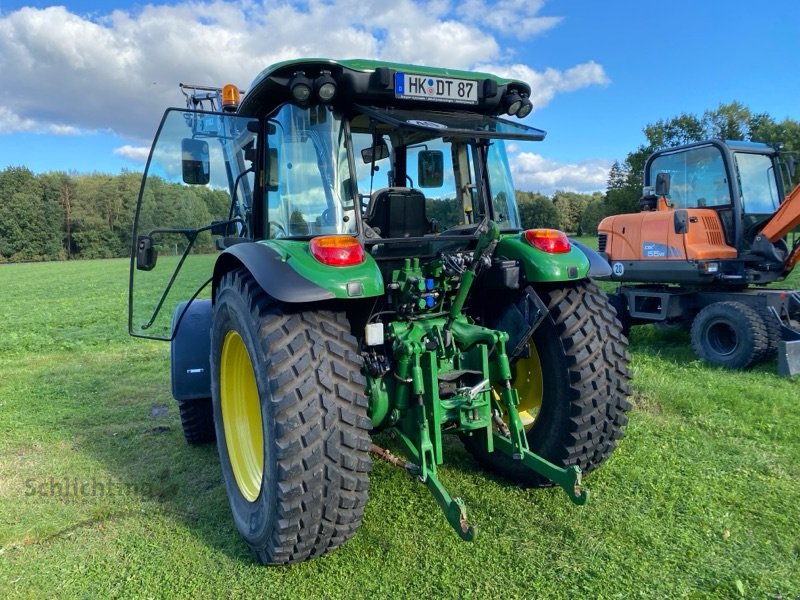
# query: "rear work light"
[[548, 240], [300, 88], [337, 250]]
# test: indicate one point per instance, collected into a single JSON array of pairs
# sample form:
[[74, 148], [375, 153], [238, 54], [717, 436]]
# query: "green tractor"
[[338, 252]]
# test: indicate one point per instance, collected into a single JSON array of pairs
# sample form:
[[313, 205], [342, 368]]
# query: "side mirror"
[[375, 153], [194, 162], [662, 184], [430, 168], [146, 253]]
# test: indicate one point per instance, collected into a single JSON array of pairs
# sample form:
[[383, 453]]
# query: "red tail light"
[[337, 250], [548, 240]]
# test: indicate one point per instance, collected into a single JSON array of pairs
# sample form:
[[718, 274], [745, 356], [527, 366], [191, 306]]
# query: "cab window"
[[308, 189], [757, 183], [697, 177]]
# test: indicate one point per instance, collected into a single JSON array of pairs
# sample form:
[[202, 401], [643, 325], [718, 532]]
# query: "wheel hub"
[[722, 338], [528, 383]]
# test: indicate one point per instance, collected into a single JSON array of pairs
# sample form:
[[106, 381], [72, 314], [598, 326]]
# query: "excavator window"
[[757, 183], [697, 177]]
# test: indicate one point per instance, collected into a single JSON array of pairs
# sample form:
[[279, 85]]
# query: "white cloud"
[[10, 122], [453, 44], [64, 130], [68, 74], [512, 17], [534, 172], [136, 153]]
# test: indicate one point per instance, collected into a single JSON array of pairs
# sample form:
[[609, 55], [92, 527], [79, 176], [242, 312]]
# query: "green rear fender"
[[286, 271], [543, 267]]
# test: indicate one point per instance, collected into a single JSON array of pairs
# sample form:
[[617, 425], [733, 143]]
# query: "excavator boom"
[[785, 219]]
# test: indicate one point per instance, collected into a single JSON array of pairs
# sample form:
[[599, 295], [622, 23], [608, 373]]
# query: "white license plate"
[[442, 89]]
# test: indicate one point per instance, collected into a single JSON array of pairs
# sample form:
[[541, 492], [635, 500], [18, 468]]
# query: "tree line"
[[61, 216], [64, 216], [58, 216]]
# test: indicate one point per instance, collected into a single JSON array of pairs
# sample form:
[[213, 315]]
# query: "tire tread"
[[320, 423], [197, 421]]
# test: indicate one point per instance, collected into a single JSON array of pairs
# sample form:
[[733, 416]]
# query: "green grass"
[[699, 501]]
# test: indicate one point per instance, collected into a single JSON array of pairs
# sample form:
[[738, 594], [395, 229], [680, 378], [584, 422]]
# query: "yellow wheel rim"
[[528, 382], [241, 416]]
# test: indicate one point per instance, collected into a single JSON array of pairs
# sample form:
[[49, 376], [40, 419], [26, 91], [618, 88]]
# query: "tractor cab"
[[395, 161]]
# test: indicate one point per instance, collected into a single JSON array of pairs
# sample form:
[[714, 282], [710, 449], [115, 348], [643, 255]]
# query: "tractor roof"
[[384, 84]]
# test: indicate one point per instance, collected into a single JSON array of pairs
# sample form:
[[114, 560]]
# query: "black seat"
[[397, 213]]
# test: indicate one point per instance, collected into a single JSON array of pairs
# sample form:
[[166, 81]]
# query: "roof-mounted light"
[[325, 87], [300, 87], [230, 98], [512, 102], [526, 108], [551, 241]]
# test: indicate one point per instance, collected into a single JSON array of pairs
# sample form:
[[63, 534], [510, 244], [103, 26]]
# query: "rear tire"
[[729, 334], [582, 378], [291, 420], [197, 420]]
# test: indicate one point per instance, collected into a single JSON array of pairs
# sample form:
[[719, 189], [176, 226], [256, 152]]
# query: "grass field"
[[101, 497]]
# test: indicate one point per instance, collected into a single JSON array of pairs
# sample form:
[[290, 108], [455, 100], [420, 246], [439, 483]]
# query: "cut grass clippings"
[[101, 497]]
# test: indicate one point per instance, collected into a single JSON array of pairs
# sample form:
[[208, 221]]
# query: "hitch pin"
[[472, 392]]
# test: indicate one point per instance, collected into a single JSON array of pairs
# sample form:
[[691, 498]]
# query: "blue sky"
[[84, 85]]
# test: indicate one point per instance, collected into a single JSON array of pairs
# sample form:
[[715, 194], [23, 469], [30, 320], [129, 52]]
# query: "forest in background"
[[65, 216]]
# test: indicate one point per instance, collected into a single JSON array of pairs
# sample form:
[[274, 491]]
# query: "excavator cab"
[[704, 209]]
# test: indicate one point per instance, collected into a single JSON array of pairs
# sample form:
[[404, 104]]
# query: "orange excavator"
[[714, 230]]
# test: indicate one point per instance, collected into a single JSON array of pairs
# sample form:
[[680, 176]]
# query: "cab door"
[[196, 191]]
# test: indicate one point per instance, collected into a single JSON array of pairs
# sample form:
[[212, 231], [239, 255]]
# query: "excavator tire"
[[774, 335], [729, 334]]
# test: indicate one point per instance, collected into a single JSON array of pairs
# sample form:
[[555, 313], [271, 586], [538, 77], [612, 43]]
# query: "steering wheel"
[[280, 229], [328, 217]]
